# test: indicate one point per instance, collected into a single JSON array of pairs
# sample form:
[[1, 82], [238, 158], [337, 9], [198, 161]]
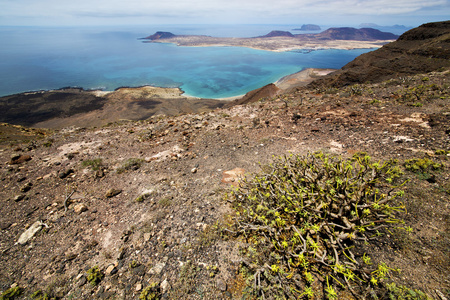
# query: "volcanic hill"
[[422, 49]]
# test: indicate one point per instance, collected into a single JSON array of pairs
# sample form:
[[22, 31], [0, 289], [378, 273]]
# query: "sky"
[[142, 12]]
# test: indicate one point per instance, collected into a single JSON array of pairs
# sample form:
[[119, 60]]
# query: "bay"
[[38, 58]]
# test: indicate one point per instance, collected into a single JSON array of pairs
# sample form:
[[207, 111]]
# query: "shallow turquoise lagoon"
[[107, 58]]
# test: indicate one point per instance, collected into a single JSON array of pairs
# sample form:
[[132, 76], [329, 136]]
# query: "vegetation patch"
[[94, 164], [130, 164], [40, 295], [421, 165], [151, 292], [11, 293], [304, 219], [94, 275]]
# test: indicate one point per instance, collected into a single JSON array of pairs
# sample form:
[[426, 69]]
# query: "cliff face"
[[419, 50]]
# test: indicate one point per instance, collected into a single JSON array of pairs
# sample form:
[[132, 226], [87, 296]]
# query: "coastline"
[[74, 106]]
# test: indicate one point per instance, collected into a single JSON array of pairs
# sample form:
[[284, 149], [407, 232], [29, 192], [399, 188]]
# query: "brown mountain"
[[349, 33], [276, 33], [160, 35], [419, 50]]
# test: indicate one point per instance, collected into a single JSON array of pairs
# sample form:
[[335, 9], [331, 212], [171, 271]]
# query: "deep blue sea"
[[39, 58]]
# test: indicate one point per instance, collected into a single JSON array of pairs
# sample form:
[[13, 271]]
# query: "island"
[[309, 27], [333, 38]]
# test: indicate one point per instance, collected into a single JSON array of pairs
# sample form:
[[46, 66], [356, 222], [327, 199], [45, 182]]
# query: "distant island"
[[333, 38], [309, 27], [397, 29]]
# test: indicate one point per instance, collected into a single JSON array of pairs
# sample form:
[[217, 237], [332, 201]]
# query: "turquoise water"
[[108, 58]]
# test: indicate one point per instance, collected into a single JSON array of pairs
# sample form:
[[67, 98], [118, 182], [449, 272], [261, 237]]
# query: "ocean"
[[45, 58]]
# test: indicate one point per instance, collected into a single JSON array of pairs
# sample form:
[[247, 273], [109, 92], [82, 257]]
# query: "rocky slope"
[[422, 49], [76, 107], [143, 201]]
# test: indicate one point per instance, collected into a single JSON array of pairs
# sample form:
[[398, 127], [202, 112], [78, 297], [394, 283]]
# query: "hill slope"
[[137, 208], [349, 33], [419, 50]]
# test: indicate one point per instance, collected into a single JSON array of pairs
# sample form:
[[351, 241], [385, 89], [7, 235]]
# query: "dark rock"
[[19, 197], [139, 271], [26, 187], [432, 179], [63, 174], [5, 225], [20, 179], [18, 159], [112, 192], [296, 117]]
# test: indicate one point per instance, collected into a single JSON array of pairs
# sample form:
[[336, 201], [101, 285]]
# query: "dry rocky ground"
[[143, 200]]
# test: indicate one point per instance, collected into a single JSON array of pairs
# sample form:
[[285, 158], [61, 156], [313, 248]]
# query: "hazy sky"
[[133, 12]]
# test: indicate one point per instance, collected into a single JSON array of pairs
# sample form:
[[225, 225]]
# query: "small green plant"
[[134, 264], [94, 275], [94, 164], [417, 104], [40, 295], [140, 198], [12, 293], [404, 293], [151, 292], [374, 101], [441, 152], [421, 165], [213, 270], [130, 164]]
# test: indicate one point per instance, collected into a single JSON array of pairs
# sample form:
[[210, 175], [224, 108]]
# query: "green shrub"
[[441, 152], [304, 215], [94, 275], [421, 164], [151, 292], [404, 293], [11, 293], [40, 295]]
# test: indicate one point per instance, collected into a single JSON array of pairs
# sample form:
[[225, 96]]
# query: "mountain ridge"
[[422, 49]]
